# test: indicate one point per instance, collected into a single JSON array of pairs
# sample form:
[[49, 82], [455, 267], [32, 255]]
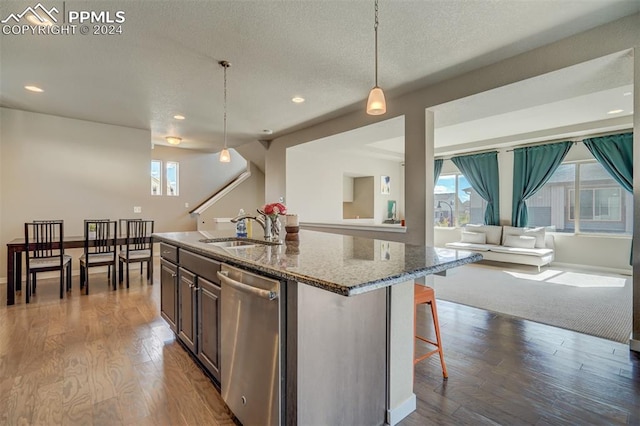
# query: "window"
[[156, 177], [597, 204], [456, 203], [170, 174], [604, 206], [172, 179]]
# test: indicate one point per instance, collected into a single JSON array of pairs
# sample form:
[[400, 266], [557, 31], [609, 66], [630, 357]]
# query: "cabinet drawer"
[[200, 265], [169, 252]]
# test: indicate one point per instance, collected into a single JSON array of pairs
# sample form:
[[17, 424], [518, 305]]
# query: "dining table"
[[17, 246]]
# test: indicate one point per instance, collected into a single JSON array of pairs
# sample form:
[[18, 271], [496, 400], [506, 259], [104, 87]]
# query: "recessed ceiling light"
[[267, 131], [626, 94], [173, 140], [34, 20], [297, 99], [34, 89], [179, 117], [615, 111]]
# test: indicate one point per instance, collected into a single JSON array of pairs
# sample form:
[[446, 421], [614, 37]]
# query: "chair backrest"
[[139, 234], [43, 238], [100, 236], [122, 226]]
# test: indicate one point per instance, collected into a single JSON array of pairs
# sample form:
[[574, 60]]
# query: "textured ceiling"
[[165, 61]]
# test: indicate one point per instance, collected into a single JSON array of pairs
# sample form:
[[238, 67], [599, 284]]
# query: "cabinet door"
[[209, 326], [186, 313], [169, 293]]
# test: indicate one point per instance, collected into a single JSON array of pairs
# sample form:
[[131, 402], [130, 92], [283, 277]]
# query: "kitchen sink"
[[237, 242], [232, 244]]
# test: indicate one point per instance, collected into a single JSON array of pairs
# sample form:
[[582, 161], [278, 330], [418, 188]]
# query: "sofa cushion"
[[473, 237], [494, 233], [468, 246], [519, 241], [530, 252], [538, 233]]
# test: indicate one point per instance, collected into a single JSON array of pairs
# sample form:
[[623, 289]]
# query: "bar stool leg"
[[436, 324]]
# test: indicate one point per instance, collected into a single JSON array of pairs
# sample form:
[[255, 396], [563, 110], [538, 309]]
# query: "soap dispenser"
[[241, 226]]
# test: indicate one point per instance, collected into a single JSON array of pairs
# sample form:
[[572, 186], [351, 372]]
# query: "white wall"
[[249, 195], [59, 168], [315, 184]]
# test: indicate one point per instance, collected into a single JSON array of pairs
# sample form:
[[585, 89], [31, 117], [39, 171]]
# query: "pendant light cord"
[[225, 65], [375, 27]]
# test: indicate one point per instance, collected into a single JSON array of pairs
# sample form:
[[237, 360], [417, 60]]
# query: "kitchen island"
[[343, 351]]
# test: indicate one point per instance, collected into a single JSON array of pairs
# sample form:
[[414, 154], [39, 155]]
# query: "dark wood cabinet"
[[169, 293], [209, 326], [190, 303], [187, 292]]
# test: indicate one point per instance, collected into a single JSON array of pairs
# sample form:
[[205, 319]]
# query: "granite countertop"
[[341, 264]]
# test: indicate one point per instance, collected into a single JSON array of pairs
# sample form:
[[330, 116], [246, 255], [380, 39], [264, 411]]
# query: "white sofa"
[[528, 246]]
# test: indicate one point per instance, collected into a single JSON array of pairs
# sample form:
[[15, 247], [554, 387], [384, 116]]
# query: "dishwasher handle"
[[265, 294]]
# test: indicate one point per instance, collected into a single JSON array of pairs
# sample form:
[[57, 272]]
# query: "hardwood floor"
[[503, 370], [108, 359], [103, 359]]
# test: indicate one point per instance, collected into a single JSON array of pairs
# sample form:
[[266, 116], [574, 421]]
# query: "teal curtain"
[[532, 168], [481, 170], [615, 153], [437, 168]]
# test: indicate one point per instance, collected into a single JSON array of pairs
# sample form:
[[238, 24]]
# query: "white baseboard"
[[592, 268], [396, 414]]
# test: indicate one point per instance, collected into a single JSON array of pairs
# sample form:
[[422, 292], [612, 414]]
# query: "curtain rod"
[[484, 151], [575, 139]]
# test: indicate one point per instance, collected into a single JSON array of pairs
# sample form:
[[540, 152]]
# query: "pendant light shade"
[[376, 104], [225, 156]]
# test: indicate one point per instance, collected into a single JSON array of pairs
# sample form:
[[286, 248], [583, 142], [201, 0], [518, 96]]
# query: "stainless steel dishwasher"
[[250, 346]]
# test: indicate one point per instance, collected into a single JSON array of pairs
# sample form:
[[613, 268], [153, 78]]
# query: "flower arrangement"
[[274, 209]]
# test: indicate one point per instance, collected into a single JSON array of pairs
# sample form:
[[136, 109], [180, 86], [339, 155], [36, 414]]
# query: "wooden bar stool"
[[422, 295]]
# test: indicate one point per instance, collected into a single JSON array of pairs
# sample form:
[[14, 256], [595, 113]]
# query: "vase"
[[275, 228]]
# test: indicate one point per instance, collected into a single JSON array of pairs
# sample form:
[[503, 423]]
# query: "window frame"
[[593, 190], [177, 183], [577, 191], [456, 202], [161, 170]]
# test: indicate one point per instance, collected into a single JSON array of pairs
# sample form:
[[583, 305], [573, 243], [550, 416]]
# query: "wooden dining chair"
[[44, 250], [122, 228], [138, 248], [100, 247]]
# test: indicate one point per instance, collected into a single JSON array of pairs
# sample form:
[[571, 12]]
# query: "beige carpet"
[[598, 304]]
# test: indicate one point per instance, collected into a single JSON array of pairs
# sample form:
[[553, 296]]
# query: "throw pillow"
[[520, 241], [474, 237], [538, 233], [494, 233]]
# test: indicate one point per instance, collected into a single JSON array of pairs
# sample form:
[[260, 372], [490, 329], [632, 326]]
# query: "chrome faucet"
[[263, 220]]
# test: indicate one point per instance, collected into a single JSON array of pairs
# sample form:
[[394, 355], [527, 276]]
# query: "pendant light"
[[376, 104], [225, 157]]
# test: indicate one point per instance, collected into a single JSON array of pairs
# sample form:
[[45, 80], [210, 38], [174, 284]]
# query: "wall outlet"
[[137, 209], [186, 205]]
